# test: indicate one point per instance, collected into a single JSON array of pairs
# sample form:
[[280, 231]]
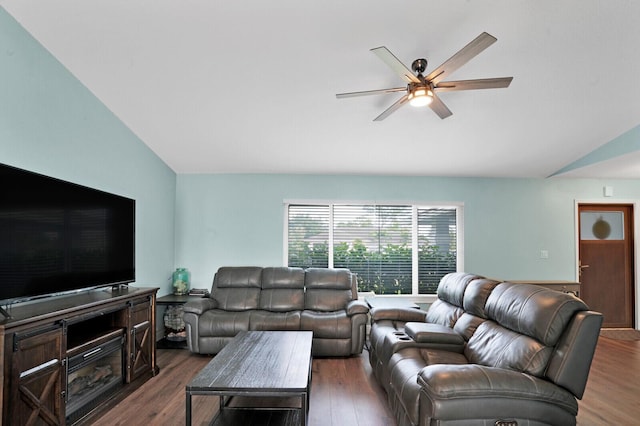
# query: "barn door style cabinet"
[[69, 358]]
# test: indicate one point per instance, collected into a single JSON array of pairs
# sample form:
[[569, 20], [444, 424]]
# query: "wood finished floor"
[[345, 393]]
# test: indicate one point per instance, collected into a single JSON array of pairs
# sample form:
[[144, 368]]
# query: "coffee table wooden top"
[[390, 302], [259, 361]]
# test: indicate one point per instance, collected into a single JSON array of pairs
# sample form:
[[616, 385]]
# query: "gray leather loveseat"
[[253, 298], [485, 353]]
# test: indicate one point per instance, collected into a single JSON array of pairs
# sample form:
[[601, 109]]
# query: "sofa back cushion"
[[237, 288], [449, 306], [467, 325], [533, 310], [524, 324], [443, 313], [282, 289], [496, 346], [476, 295], [328, 289], [452, 287]]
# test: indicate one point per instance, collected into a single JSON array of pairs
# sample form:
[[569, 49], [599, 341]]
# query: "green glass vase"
[[181, 281]]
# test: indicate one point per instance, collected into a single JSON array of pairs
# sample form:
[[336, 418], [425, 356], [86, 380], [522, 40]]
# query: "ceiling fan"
[[422, 90]]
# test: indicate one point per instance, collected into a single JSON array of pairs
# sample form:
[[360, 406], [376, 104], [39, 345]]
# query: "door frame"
[[636, 239]]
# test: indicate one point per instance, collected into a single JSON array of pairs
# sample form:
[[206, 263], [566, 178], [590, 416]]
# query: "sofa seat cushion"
[[471, 391], [329, 325], [219, 323], [275, 321], [404, 367], [437, 356]]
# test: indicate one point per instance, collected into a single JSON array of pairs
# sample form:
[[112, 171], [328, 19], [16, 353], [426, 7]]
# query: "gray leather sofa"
[[324, 301], [485, 353]]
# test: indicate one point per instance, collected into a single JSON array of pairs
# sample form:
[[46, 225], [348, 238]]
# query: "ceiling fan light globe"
[[420, 97]]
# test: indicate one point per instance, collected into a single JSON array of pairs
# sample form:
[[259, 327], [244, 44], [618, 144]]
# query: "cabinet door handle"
[[88, 354], [141, 326], [38, 368]]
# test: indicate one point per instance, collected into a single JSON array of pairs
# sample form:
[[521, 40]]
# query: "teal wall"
[[239, 219], [51, 124]]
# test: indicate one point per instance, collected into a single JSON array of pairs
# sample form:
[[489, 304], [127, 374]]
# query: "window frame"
[[427, 298]]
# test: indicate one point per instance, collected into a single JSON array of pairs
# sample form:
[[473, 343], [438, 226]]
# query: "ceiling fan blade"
[[439, 107], [387, 112], [463, 56], [483, 83], [371, 92], [395, 64]]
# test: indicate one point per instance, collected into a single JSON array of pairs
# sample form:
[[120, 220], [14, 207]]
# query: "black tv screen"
[[57, 236]]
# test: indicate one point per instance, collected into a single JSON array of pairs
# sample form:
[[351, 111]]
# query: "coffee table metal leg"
[[304, 409], [223, 403], [188, 408]]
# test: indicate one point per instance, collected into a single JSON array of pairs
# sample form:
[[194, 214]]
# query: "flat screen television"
[[58, 237]]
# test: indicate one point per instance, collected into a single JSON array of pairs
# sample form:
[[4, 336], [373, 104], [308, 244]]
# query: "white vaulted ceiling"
[[249, 86]]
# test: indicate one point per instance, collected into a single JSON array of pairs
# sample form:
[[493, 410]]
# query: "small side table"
[[173, 304], [389, 302]]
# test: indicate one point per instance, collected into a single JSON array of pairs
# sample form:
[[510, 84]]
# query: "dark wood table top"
[[389, 302], [175, 299], [259, 361]]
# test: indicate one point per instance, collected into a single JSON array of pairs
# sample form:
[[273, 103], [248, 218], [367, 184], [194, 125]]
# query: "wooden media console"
[[66, 359]]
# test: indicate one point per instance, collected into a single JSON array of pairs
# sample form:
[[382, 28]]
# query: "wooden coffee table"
[[258, 374]]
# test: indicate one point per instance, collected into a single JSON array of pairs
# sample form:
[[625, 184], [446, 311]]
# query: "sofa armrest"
[[448, 385], [398, 314], [357, 307], [424, 332], [199, 306]]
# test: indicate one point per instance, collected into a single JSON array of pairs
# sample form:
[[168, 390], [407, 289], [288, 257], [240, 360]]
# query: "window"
[[394, 249]]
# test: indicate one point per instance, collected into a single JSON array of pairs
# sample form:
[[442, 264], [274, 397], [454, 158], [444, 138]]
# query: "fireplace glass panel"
[[92, 377]]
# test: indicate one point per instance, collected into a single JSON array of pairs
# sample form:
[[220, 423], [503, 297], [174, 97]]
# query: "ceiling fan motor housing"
[[419, 65]]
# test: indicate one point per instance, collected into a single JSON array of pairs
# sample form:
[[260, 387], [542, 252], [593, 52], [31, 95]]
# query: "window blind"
[[374, 241], [308, 241], [377, 242], [437, 251]]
